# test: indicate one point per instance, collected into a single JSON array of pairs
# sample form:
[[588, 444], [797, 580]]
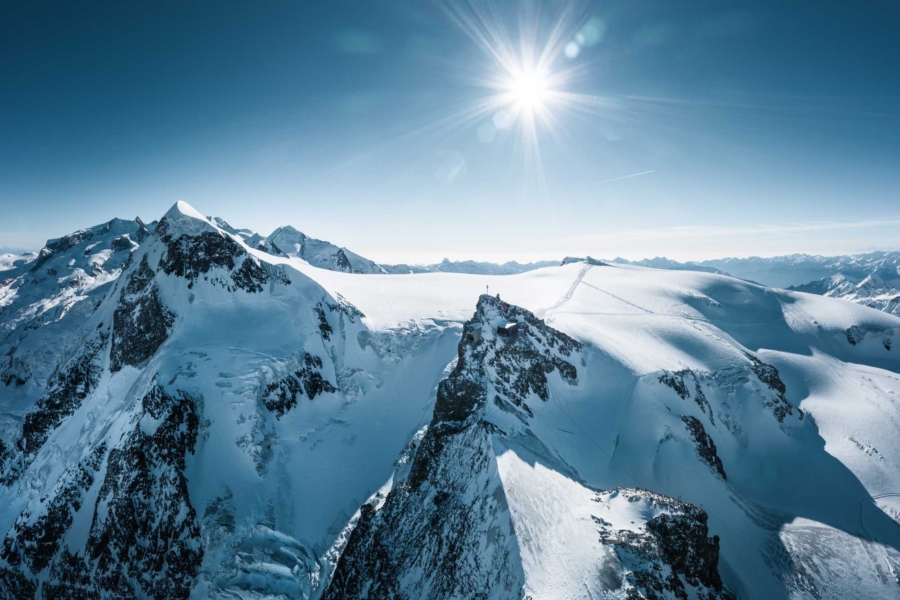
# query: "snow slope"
[[793, 486], [225, 422], [13, 265], [869, 279]]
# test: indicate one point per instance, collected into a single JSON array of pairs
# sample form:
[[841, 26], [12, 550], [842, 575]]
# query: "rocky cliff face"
[[143, 539], [668, 549], [96, 457], [447, 529], [118, 522]]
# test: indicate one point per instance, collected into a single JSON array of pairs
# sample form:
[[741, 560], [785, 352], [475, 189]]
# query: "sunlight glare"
[[529, 90], [529, 74]]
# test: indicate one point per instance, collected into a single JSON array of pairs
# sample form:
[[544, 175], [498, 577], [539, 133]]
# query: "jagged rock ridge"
[[448, 531]]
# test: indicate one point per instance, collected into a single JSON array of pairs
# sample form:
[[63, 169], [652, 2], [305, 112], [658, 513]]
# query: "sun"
[[529, 90], [528, 79]]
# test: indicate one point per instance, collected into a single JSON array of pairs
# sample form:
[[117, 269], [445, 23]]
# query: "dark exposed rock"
[[57, 246], [886, 342], [676, 381], [673, 549], [69, 579], [769, 376], [146, 543], [250, 276], [341, 305], [523, 362], [706, 447], [342, 262], [435, 523], [15, 371], [324, 328], [35, 541], [271, 248], [854, 334], [9, 377], [123, 242], [442, 532], [190, 256], [14, 585], [281, 396], [141, 322], [458, 399], [144, 540], [67, 389], [193, 256], [43, 256], [143, 231], [436, 531]]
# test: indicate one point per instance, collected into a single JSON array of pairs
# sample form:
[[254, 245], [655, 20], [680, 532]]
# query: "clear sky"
[[690, 129]]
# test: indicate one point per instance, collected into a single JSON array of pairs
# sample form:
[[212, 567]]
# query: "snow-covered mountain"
[[799, 269], [45, 297], [869, 279], [248, 236], [880, 289], [197, 417], [287, 241]]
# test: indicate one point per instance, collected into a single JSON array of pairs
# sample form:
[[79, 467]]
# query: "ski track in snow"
[[568, 295]]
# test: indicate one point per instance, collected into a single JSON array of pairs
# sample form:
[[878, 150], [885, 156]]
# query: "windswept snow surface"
[[307, 385]]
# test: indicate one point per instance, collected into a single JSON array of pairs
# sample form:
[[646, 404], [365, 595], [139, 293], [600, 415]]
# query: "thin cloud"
[[590, 185]]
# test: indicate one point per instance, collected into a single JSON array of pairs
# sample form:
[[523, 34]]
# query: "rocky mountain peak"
[[184, 219]]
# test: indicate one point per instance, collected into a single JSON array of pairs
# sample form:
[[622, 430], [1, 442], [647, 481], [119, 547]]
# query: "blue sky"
[[760, 128]]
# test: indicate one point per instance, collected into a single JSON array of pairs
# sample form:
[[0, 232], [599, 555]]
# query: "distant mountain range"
[[871, 279]]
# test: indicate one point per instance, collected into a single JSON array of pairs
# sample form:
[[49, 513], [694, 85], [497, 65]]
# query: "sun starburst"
[[529, 73]]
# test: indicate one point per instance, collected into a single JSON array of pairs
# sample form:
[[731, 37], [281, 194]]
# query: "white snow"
[[309, 471]]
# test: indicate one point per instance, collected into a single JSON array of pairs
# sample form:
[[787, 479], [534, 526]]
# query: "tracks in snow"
[[568, 295], [578, 281]]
